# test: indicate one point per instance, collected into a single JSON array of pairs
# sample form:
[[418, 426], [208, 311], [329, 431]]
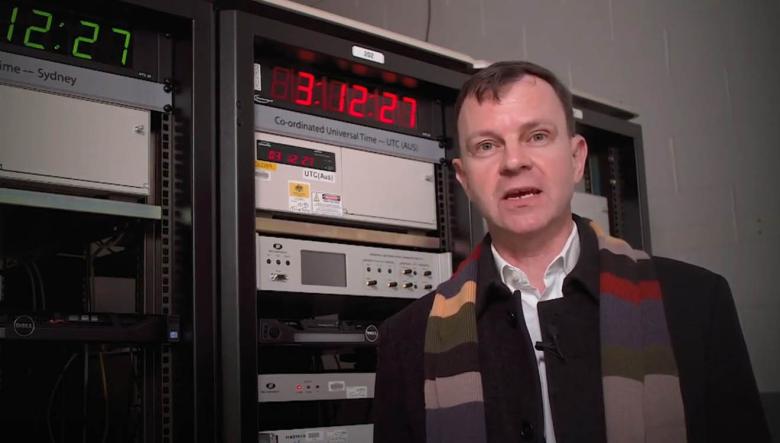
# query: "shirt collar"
[[585, 274], [564, 262]]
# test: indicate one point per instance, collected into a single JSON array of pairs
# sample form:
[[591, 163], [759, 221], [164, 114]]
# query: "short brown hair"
[[489, 83]]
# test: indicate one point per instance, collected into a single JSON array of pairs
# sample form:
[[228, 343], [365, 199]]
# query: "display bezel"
[[375, 98], [295, 156]]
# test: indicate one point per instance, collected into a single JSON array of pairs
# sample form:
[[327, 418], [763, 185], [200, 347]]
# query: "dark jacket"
[[719, 391]]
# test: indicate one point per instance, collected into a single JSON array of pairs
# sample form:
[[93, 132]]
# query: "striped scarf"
[[642, 398]]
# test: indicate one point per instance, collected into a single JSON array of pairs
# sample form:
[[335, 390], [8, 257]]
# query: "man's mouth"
[[522, 193]]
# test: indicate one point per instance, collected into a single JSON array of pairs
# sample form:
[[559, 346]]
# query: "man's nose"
[[515, 158]]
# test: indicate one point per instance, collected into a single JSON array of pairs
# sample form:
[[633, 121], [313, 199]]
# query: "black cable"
[[91, 298], [37, 272], [104, 384], [84, 394], [428, 25], [54, 393], [32, 285]]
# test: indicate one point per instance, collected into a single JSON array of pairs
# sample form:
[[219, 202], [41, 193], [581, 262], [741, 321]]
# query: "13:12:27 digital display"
[[353, 100], [66, 33]]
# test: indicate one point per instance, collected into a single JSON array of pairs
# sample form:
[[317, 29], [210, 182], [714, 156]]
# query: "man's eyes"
[[536, 138], [540, 137], [483, 148]]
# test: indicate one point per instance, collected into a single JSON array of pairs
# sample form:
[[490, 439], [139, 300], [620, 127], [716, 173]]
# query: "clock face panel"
[[341, 97], [67, 33]]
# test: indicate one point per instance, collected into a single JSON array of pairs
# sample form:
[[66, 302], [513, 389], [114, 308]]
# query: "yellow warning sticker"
[[299, 189], [268, 166]]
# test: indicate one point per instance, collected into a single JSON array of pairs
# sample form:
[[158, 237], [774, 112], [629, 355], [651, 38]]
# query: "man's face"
[[518, 164]]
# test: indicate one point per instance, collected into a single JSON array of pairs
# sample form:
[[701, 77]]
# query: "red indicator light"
[[360, 69], [306, 55], [389, 77], [298, 388], [409, 82]]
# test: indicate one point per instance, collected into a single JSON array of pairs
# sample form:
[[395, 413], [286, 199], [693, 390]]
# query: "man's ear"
[[579, 153], [461, 175]]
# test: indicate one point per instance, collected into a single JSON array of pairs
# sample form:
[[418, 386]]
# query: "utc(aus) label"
[[322, 176]]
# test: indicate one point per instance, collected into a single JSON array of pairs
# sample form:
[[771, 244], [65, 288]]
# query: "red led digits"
[[337, 96], [307, 161], [274, 156], [388, 108], [342, 96], [280, 83], [360, 100], [412, 111], [305, 88], [329, 96], [292, 159]]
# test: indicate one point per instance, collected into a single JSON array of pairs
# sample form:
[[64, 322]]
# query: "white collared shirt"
[[517, 280]]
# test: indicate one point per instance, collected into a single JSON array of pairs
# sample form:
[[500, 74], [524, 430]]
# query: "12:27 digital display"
[[63, 32]]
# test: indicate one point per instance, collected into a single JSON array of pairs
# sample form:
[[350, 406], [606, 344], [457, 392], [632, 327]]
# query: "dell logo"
[[371, 333], [24, 326], [277, 246], [270, 385]]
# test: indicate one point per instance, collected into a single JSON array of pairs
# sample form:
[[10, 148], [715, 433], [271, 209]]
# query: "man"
[[551, 330]]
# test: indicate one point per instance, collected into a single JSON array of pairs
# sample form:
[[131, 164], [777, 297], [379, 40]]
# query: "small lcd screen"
[[323, 268]]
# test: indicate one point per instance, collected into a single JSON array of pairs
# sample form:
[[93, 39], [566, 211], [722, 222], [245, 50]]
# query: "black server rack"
[[105, 334], [352, 90]]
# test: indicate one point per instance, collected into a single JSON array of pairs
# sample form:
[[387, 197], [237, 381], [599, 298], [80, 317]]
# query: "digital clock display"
[[295, 156], [343, 98], [66, 33]]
